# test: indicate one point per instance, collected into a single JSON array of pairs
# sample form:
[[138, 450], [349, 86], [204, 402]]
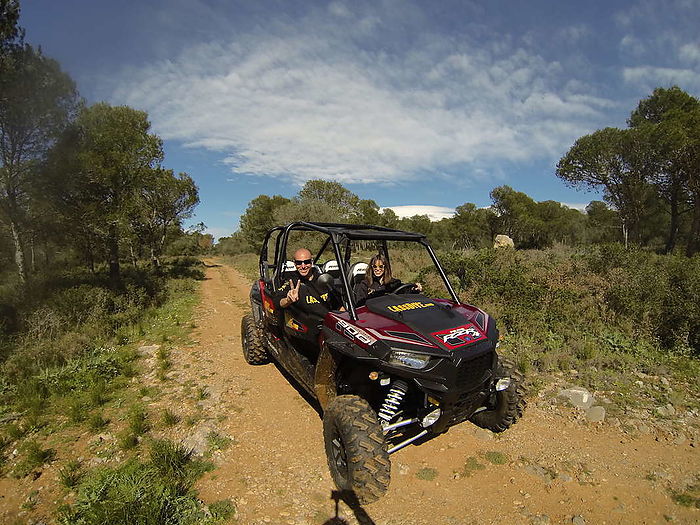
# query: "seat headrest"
[[330, 266], [359, 268]]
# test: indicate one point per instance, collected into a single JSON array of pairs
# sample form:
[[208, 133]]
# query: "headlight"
[[409, 359], [431, 418]]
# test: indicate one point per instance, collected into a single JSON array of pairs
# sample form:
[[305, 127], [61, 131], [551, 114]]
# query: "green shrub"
[[222, 510], [71, 474], [427, 474], [127, 440], [133, 493], [77, 409], [170, 459], [218, 441], [169, 418], [97, 422], [15, 431], [495, 457], [185, 267], [152, 493], [33, 456], [81, 303], [600, 308], [138, 421]]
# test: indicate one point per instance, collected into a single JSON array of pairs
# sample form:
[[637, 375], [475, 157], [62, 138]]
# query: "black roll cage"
[[337, 234]]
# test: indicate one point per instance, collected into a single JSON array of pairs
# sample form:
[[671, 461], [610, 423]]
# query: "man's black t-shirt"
[[311, 300]]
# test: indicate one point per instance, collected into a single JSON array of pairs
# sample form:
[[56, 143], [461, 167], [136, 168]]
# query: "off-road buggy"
[[396, 370]]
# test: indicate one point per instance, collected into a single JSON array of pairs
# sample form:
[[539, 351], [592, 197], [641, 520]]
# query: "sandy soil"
[[552, 467]]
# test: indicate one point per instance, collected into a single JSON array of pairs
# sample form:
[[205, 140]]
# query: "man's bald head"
[[302, 261]]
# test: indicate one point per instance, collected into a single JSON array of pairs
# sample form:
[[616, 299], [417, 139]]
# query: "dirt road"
[[552, 467]]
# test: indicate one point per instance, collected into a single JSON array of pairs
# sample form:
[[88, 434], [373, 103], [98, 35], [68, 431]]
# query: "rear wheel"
[[253, 348], [510, 402], [355, 448]]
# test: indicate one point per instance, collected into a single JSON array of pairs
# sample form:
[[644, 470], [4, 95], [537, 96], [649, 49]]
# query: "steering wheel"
[[404, 288]]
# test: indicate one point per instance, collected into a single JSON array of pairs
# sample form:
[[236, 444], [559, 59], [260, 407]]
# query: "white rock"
[[595, 414], [503, 241], [578, 396]]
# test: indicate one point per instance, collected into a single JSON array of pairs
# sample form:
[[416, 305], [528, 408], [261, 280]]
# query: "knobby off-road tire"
[[355, 448], [253, 348], [510, 402]]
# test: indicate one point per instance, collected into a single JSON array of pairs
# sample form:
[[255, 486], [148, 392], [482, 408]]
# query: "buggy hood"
[[448, 325]]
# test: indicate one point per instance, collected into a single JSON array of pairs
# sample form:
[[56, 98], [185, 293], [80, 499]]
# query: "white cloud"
[[690, 52], [580, 206], [632, 45], [338, 9], [652, 77], [312, 98], [217, 233], [435, 213], [575, 33]]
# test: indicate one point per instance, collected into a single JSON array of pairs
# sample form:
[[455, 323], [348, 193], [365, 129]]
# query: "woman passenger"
[[377, 279]]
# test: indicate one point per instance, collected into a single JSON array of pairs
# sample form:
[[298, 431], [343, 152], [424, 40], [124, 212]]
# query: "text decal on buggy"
[[353, 332], [408, 306], [460, 336]]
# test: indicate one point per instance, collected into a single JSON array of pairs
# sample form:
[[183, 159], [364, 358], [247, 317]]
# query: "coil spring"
[[393, 399]]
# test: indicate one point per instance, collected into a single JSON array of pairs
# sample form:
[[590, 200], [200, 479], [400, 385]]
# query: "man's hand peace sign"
[[293, 293]]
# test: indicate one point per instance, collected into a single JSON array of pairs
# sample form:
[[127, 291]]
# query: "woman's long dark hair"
[[369, 274]]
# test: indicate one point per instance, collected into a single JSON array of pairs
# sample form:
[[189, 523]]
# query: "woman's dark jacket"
[[362, 290]]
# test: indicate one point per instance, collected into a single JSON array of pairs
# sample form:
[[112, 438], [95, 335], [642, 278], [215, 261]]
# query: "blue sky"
[[423, 103]]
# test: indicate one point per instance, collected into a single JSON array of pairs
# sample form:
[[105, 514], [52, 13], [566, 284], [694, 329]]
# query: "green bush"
[[159, 491], [185, 267], [604, 306], [33, 456], [132, 493], [71, 474]]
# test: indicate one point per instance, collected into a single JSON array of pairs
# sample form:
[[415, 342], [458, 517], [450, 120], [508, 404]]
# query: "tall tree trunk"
[[91, 258], [33, 253], [675, 216], [113, 253], [133, 256], [673, 228], [155, 261], [694, 238], [19, 252]]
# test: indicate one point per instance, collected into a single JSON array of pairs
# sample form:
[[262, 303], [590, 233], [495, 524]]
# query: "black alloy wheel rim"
[[339, 456]]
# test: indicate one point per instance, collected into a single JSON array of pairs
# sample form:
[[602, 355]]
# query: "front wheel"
[[355, 448], [510, 402], [253, 348]]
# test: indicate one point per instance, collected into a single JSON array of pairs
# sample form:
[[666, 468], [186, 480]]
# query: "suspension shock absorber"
[[392, 401]]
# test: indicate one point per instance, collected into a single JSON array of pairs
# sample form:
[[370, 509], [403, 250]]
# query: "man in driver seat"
[[303, 291]]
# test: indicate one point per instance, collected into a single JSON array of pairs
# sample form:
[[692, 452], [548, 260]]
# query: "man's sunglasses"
[[305, 261]]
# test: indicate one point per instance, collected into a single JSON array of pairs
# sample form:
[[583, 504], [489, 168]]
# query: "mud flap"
[[324, 380]]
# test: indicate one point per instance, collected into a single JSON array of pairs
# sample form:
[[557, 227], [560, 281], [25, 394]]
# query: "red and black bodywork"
[[435, 356]]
